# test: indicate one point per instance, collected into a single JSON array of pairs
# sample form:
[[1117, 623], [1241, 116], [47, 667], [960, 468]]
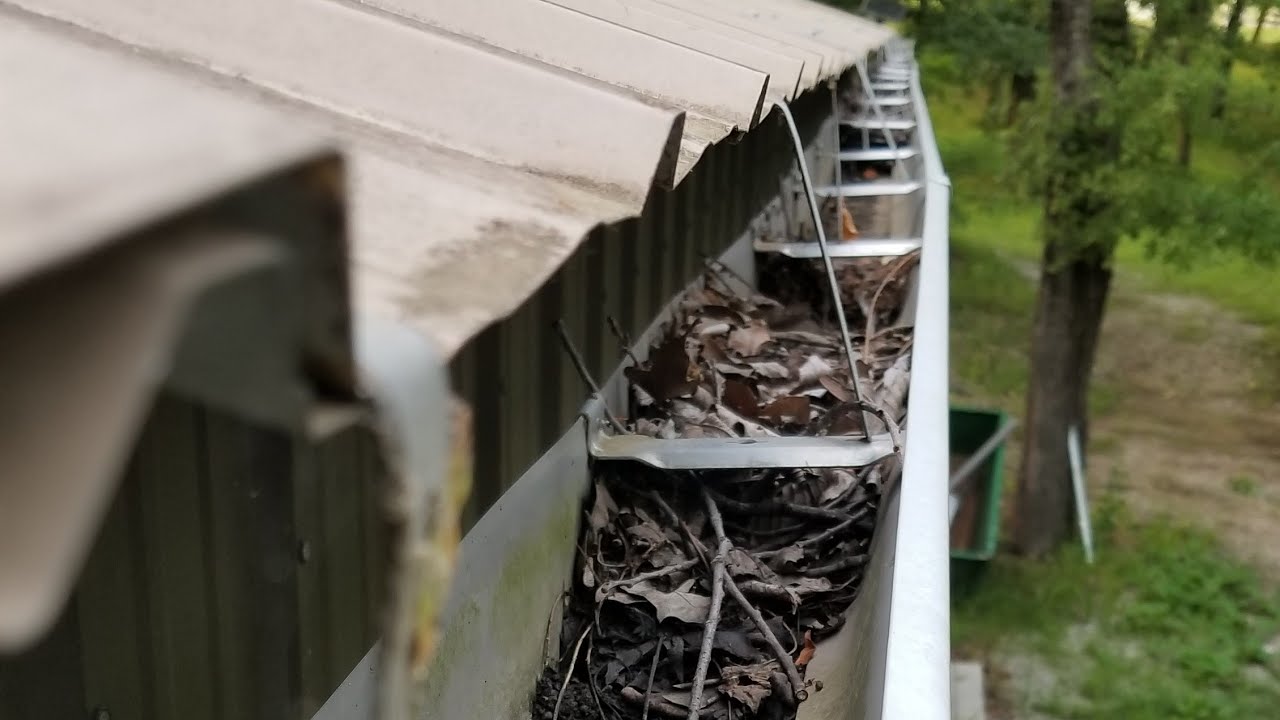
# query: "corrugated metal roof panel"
[[840, 38], [465, 157], [786, 70], [89, 166], [450, 250], [436, 87], [814, 61], [672, 74]]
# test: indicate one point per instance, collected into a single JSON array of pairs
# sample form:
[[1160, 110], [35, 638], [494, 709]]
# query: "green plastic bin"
[[971, 552]]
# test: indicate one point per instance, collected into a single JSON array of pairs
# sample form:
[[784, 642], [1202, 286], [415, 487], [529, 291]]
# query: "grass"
[[1164, 625]]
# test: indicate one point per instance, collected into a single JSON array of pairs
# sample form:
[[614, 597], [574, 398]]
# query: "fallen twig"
[[659, 705], [585, 374], [591, 679], [624, 340], [766, 507], [608, 587], [844, 563], [719, 577], [902, 262], [569, 674], [691, 541], [653, 670], [784, 659]]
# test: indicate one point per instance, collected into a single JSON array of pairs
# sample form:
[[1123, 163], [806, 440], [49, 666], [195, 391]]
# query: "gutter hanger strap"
[[826, 261]]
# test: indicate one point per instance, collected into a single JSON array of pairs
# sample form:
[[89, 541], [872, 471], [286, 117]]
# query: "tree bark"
[[1230, 39], [1068, 319], [1262, 21], [1184, 138], [1074, 281], [1022, 88]]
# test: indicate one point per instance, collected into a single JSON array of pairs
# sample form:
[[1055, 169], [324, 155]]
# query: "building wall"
[[237, 575], [239, 571]]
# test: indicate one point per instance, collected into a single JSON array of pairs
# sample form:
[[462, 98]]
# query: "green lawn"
[[1165, 625]]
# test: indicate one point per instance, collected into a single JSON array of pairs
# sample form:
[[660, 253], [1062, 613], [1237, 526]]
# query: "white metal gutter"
[[918, 656]]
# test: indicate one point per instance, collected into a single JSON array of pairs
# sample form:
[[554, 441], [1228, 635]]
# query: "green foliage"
[[1165, 625], [1243, 485], [991, 38], [995, 240]]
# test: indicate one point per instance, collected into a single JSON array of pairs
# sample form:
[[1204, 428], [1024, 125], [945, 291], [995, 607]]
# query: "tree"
[[1075, 275], [1264, 8], [1100, 161], [1230, 40], [1181, 34]]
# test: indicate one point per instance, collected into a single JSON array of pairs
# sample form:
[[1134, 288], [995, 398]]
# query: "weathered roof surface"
[[85, 162], [470, 138], [786, 69], [670, 73]]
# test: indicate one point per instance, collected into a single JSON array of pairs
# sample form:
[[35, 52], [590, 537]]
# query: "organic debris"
[[768, 560], [703, 594], [739, 364]]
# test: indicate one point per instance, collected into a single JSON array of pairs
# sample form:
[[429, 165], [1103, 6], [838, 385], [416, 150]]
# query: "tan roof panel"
[[672, 74], [731, 26], [786, 71], [82, 165], [779, 26], [451, 248], [439, 88]]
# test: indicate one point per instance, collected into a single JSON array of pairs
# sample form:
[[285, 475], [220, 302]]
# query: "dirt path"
[[1190, 431], [1190, 434]]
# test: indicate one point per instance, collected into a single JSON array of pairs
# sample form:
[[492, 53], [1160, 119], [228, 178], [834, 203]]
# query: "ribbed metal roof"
[[486, 137]]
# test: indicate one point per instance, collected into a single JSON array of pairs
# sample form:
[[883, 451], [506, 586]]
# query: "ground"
[[1194, 432], [1180, 616]]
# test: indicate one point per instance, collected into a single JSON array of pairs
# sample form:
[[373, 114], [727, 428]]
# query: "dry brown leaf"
[[740, 398], [773, 370], [748, 684], [836, 482], [806, 652], [790, 409], [837, 389], [748, 341], [742, 426], [670, 375], [602, 509], [848, 231], [682, 605], [812, 369]]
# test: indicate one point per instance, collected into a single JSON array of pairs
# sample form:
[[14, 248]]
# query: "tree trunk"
[[1022, 88], [1184, 138], [1262, 21], [1068, 320], [1229, 41], [1071, 299]]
